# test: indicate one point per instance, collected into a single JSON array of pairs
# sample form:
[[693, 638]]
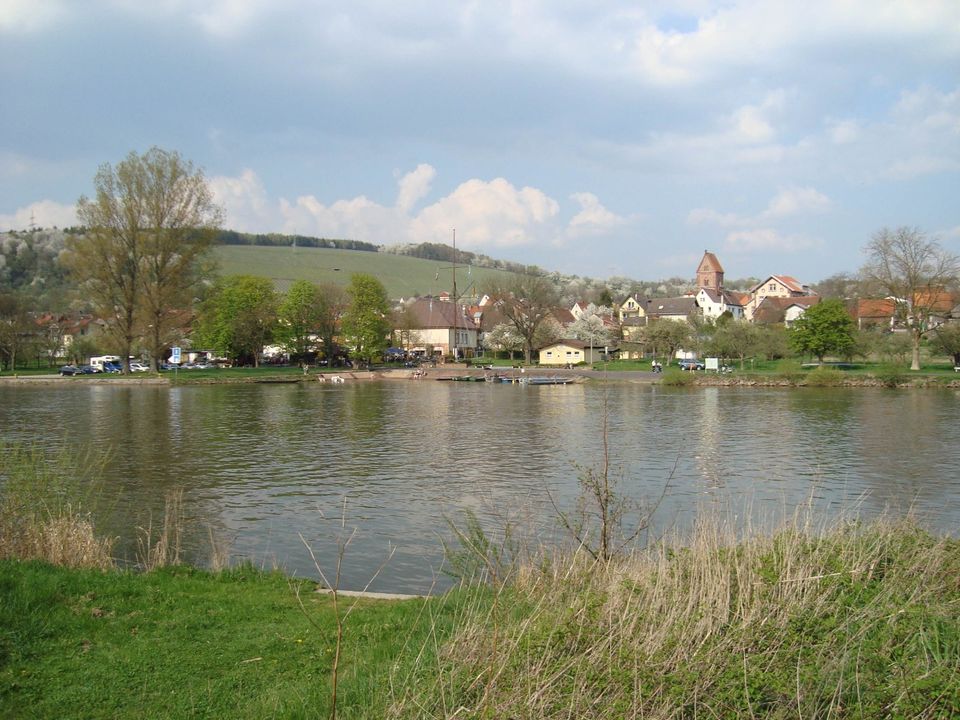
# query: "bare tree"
[[914, 270], [526, 302]]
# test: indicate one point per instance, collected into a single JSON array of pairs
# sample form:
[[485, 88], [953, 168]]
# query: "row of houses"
[[444, 326], [440, 325]]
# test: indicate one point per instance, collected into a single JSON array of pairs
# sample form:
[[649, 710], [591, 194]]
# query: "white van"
[[99, 361]]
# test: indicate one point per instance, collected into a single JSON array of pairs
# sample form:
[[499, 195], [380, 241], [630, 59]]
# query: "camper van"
[[106, 363]]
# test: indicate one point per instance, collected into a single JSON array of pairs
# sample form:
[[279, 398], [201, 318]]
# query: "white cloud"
[[706, 216], [593, 218], [226, 18], [29, 16], [489, 214], [44, 213], [786, 203], [358, 218], [844, 132], [244, 201], [414, 186], [918, 166], [486, 214], [794, 201], [766, 240]]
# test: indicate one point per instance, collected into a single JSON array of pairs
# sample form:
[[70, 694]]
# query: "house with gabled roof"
[[714, 303], [445, 325], [777, 286], [675, 308], [786, 310], [633, 305], [569, 352], [873, 313]]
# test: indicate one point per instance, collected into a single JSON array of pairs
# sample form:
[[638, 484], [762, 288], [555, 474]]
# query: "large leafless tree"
[[526, 302], [917, 272]]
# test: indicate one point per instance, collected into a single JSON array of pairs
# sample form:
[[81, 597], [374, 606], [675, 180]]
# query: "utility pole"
[[456, 339]]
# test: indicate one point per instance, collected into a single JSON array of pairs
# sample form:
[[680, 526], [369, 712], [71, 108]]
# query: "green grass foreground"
[[857, 621], [183, 643]]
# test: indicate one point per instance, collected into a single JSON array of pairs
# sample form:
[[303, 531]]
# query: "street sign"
[[175, 355]]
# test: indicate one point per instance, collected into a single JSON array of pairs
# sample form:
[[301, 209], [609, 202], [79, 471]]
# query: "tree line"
[[141, 263]]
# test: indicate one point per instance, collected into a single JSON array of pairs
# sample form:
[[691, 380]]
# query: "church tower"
[[710, 272]]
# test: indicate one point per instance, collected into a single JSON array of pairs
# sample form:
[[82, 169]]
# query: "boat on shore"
[[555, 380]]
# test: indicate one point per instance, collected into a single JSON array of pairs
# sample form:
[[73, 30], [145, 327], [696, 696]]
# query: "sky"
[[597, 138]]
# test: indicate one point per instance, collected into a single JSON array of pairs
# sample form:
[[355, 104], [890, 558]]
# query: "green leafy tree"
[[151, 219], [182, 221], [895, 348], [239, 317], [946, 339], [16, 329], [822, 330], [774, 341], [366, 322], [82, 348], [665, 337], [299, 318], [736, 339], [905, 265], [331, 304]]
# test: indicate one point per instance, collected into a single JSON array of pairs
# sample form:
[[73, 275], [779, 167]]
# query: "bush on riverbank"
[[47, 508]]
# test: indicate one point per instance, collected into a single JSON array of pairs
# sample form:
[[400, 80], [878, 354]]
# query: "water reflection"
[[262, 465]]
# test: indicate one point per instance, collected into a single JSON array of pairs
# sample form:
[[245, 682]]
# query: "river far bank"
[[824, 377]]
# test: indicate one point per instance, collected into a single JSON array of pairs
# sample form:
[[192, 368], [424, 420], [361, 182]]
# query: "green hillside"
[[402, 276]]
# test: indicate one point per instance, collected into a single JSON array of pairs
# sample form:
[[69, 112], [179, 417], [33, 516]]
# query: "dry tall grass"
[[164, 549], [857, 620], [46, 508]]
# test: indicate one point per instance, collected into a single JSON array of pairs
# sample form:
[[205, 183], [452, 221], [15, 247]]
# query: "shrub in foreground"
[[47, 508], [860, 621]]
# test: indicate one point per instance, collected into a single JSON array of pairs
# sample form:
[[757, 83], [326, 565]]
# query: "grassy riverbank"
[[853, 620], [858, 621]]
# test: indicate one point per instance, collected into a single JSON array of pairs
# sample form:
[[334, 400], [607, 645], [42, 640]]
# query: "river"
[[269, 469]]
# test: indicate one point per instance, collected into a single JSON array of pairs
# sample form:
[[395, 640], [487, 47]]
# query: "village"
[[442, 328], [585, 333]]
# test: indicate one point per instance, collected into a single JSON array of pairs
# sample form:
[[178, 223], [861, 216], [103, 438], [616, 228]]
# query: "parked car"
[[69, 370], [88, 370], [138, 367], [691, 364], [112, 367]]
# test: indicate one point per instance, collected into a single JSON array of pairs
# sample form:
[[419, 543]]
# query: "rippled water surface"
[[263, 465]]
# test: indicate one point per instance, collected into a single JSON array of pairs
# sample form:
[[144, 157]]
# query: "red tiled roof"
[[874, 308], [709, 263], [934, 300]]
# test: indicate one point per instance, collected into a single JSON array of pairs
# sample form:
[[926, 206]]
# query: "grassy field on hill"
[[402, 276]]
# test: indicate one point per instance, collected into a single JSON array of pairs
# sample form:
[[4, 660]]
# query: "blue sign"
[[175, 355]]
